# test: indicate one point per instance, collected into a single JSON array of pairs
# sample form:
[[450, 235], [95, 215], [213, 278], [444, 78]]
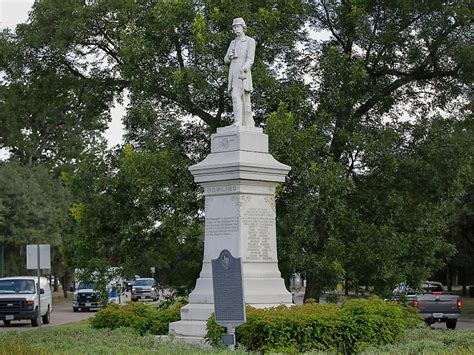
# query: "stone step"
[[197, 311], [188, 328]]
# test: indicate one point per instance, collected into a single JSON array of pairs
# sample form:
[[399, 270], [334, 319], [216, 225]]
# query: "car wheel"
[[35, 319], [47, 317], [75, 309], [451, 324], [7, 322]]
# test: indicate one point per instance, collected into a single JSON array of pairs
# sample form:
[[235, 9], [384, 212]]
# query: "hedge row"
[[351, 327], [139, 316]]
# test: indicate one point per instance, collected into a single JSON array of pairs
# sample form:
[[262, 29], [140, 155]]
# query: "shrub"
[[139, 316], [350, 327], [333, 298]]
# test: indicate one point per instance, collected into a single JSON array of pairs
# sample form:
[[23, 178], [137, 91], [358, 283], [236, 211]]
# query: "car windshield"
[[17, 286], [403, 288], [86, 285], [432, 287], [143, 283]]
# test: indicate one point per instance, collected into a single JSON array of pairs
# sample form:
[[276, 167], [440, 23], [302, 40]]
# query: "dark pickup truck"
[[438, 307], [85, 297], [433, 304]]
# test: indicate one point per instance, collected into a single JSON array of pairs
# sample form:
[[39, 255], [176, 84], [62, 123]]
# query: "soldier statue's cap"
[[239, 21]]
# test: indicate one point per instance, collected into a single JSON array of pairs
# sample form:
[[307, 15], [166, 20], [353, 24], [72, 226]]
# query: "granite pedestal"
[[239, 179]]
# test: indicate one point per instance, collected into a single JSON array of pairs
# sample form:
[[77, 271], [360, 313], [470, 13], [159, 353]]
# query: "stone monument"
[[239, 177]]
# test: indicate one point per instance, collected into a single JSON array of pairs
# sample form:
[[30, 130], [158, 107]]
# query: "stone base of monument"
[[239, 179]]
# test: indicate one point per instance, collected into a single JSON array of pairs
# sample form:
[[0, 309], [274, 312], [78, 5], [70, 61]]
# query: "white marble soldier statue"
[[240, 55]]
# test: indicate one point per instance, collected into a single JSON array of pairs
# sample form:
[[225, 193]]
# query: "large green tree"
[[48, 114], [461, 234], [139, 209], [33, 209], [366, 201]]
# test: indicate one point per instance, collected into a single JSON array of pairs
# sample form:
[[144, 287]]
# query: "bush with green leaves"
[[139, 316], [350, 327]]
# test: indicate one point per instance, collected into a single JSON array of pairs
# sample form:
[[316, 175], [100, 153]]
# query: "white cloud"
[[13, 12]]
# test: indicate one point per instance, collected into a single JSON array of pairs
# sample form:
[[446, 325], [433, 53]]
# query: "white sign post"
[[38, 256]]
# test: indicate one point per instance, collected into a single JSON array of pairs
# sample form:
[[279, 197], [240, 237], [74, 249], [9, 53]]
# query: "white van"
[[19, 300]]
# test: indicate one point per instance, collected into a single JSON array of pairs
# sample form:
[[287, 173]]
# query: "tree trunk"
[[312, 288], [449, 280], [464, 290], [66, 283], [56, 283]]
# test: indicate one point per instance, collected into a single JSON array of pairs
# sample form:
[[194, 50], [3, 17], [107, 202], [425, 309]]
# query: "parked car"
[[19, 300], [432, 286], [85, 297], [145, 288], [425, 286]]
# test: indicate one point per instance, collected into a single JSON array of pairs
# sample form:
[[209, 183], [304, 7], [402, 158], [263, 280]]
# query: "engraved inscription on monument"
[[221, 226], [221, 189], [225, 143], [259, 223]]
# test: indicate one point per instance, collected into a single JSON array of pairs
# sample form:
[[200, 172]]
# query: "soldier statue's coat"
[[244, 50]]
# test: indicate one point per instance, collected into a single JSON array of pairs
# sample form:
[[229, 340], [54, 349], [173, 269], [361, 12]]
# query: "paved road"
[[61, 314], [462, 324]]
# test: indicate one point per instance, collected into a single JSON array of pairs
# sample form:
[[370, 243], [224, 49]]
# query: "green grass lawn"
[[430, 341], [80, 338]]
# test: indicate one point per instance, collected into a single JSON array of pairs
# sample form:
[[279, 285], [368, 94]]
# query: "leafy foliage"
[[461, 234], [47, 113], [139, 316], [329, 327], [33, 207], [133, 211]]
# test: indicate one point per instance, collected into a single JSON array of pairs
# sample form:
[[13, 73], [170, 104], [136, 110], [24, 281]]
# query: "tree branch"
[[331, 28], [374, 31], [187, 103], [189, 106], [353, 160], [73, 70], [220, 108], [415, 76], [179, 53]]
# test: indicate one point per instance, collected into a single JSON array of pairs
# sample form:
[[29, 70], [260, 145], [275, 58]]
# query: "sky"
[[13, 12]]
